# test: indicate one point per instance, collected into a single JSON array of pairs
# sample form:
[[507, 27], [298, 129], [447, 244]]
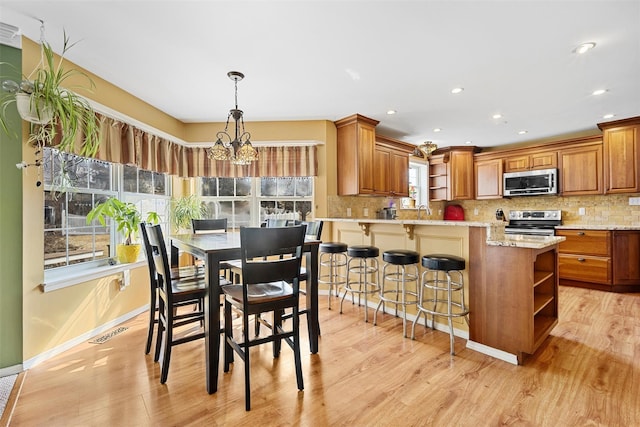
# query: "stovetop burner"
[[533, 222]]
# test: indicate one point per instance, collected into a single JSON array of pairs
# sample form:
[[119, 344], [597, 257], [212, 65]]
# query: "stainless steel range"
[[535, 222]]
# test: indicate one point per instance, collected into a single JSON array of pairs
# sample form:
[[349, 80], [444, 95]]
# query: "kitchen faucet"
[[426, 210]]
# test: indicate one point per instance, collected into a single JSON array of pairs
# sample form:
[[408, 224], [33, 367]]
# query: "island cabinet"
[[451, 174], [513, 293], [356, 143], [607, 260], [621, 141]]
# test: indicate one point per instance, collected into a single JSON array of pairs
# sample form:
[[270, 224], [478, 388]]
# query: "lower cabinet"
[[607, 260]]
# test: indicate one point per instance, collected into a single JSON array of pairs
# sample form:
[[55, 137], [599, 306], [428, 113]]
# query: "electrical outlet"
[[475, 211], [582, 211], [634, 201], [365, 212], [348, 211]]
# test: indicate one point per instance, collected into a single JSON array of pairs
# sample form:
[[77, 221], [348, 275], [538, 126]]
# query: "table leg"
[[313, 322], [212, 322]]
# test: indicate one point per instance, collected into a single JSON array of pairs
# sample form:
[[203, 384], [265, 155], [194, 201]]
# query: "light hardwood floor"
[[586, 373]]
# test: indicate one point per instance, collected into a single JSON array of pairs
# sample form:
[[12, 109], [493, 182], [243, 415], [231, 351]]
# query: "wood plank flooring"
[[586, 374]]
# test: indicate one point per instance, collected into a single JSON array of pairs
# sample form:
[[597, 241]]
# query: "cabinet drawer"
[[587, 242], [585, 268]]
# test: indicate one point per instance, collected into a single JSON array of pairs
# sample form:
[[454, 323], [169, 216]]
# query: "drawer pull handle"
[[580, 233], [581, 260]]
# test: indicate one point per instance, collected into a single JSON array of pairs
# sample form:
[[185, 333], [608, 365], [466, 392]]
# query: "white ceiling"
[[308, 60]]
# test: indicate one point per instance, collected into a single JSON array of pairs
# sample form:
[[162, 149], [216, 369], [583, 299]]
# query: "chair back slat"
[[160, 257], [149, 254], [271, 253], [209, 225], [314, 229]]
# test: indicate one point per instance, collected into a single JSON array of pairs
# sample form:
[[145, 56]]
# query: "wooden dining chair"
[[187, 273], [218, 225], [271, 259], [173, 294]]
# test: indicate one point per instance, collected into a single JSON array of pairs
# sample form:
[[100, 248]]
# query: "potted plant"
[[184, 209], [127, 217], [57, 114]]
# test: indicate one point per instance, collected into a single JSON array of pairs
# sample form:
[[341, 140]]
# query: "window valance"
[[126, 144]]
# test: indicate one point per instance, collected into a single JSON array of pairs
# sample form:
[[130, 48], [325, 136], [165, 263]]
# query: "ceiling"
[[324, 60]]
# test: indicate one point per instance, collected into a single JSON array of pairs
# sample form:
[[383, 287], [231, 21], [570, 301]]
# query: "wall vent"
[[10, 35]]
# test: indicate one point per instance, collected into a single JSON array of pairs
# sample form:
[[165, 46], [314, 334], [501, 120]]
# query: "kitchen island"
[[511, 283]]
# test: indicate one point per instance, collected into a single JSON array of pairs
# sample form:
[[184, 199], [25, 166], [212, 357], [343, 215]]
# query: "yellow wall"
[[52, 319]]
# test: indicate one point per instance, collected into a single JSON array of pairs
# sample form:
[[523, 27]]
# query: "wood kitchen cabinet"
[[391, 175], [531, 161], [451, 174], [488, 178], [607, 260], [513, 295], [356, 143], [621, 140], [580, 170]]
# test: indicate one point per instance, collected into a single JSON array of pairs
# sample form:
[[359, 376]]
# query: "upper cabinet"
[[488, 177], [621, 141], [451, 174], [368, 163], [531, 161], [580, 169], [356, 138]]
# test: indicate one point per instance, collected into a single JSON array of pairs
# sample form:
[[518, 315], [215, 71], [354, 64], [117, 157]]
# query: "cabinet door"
[[488, 179], [399, 174], [626, 257], [516, 163], [581, 170], [622, 156], [366, 158], [544, 160], [381, 176], [461, 170]]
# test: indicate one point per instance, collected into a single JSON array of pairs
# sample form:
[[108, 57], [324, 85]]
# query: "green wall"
[[11, 223]]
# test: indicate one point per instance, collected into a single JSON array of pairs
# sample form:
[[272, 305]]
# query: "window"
[[417, 186], [68, 240], [250, 201]]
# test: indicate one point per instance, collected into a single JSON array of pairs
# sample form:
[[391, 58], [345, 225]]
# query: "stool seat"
[[443, 262], [333, 247], [363, 251], [400, 257]]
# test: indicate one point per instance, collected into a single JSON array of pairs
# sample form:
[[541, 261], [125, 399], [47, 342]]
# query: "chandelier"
[[238, 150]]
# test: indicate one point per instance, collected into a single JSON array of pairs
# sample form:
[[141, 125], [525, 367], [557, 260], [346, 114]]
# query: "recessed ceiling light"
[[599, 92], [457, 89], [497, 116], [584, 47], [522, 132], [467, 142], [391, 112], [608, 116], [437, 130]]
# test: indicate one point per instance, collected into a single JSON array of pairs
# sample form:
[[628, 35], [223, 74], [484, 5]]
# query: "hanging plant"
[[59, 117]]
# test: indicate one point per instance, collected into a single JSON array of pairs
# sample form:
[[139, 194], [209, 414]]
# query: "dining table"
[[216, 247]]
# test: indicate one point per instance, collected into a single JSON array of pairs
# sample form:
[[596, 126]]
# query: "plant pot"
[[127, 253], [28, 111]]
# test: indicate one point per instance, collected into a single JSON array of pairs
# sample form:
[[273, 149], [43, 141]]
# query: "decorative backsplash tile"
[[599, 210]]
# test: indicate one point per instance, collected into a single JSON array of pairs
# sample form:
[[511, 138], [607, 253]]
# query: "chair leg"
[[168, 339], [277, 326], [296, 348], [228, 334], [245, 349], [152, 321], [159, 333]]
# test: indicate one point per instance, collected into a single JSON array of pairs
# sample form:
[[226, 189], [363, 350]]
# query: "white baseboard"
[[493, 352], [11, 370], [28, 364]]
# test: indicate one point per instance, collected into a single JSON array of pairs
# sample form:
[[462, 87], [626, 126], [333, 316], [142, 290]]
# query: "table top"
[[218, 242]]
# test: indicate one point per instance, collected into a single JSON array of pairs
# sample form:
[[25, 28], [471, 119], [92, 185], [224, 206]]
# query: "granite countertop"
[[523, 241], [415, 222], [597, 227]]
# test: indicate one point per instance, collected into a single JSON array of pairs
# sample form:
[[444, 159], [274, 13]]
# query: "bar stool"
[[452, 281], [398, 261], [333, 256], [362, 264]]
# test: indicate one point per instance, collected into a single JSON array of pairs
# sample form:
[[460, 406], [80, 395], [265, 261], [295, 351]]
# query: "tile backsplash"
[[598, 210]]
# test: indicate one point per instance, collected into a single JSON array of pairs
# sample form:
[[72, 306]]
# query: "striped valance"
[[126, 144]]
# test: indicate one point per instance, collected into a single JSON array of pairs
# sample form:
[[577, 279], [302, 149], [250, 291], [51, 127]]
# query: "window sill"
[[55, 281]]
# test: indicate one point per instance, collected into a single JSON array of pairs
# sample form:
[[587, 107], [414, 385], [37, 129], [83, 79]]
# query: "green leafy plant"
[[124, 214], [186, 208], [43, 92]]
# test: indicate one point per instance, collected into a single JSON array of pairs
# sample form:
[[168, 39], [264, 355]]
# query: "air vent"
[[10, 35]]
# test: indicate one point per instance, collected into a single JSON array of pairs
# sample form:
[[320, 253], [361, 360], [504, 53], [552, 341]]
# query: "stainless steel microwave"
[[530, 183]]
